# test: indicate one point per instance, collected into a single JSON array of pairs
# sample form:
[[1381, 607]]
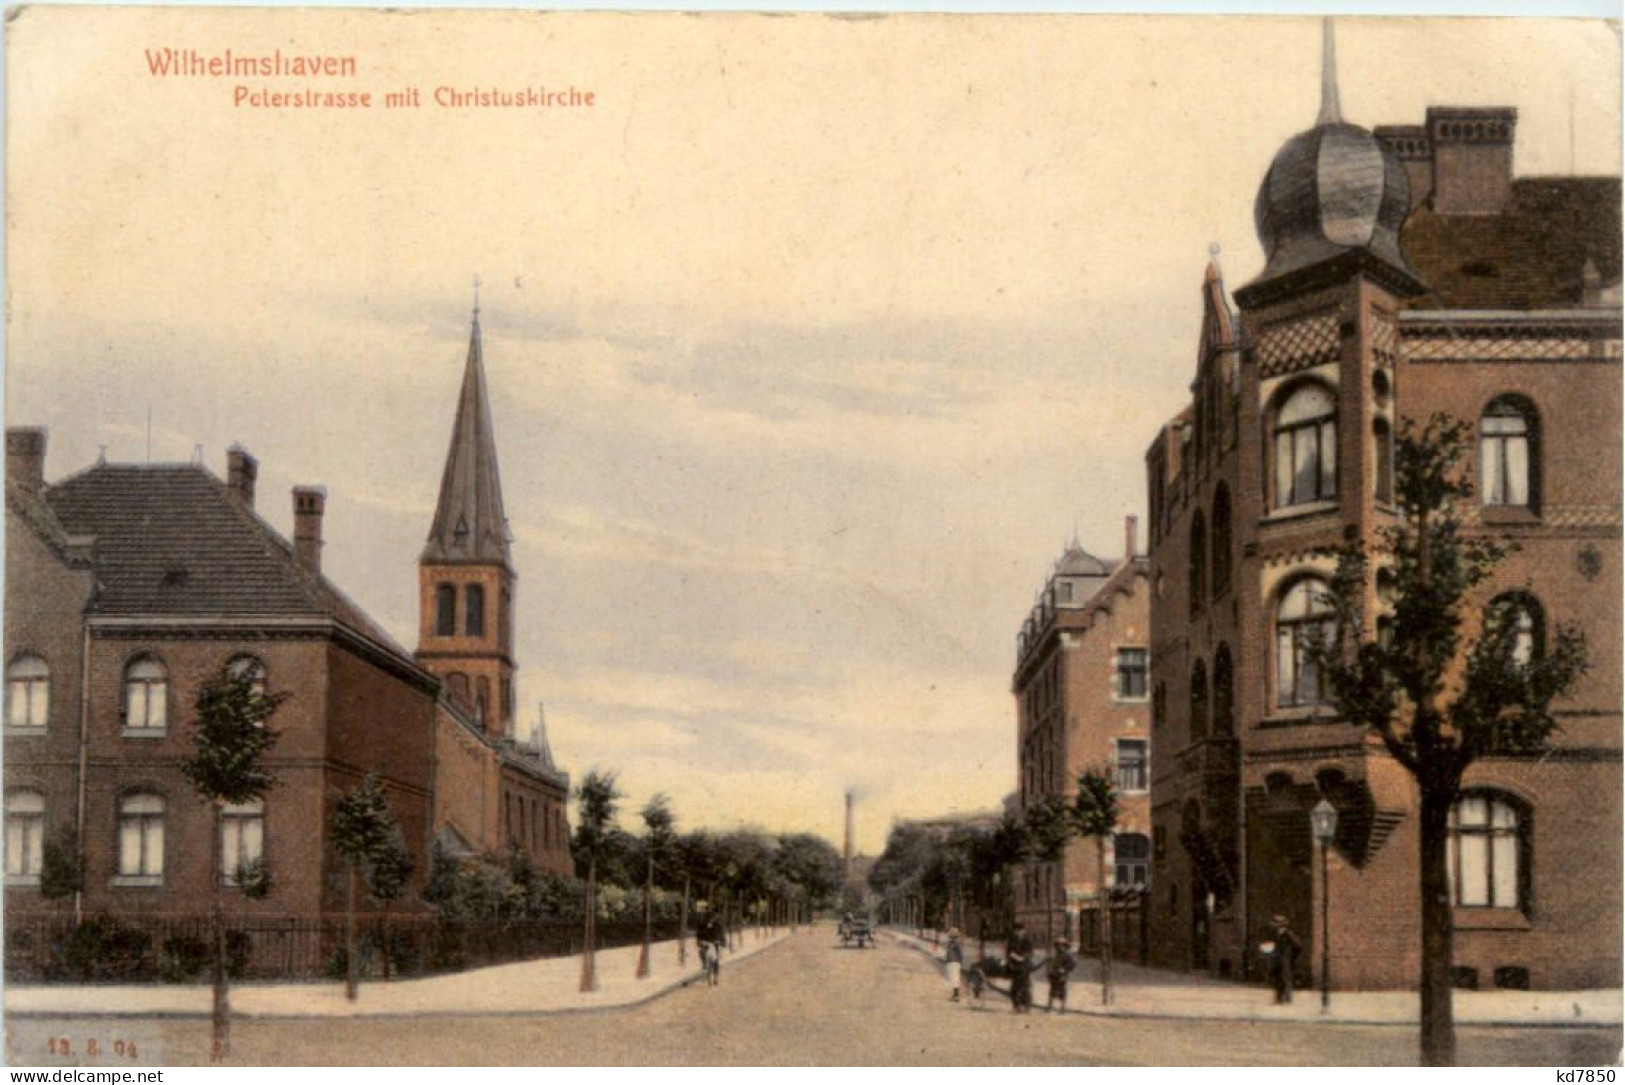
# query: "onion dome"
[[1331, 190]]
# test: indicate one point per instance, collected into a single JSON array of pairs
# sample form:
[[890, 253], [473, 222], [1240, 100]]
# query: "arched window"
[[474, 611], [1303, 621], [1224, 694], [482, 698], [1306, 446], [250, 669], [141, 838], [1132, 854], [1489, 851], [1198, 560], [1519, 617], [1198, 701], [25, 835], [28, 692], [146, 696], [1507, 453], [445, 611], [242, 838], [1221, 540]]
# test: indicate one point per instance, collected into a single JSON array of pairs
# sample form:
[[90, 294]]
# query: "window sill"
[[1488, 919], [1130, 700], [145, 732], [22, 881], [1302, 717], [1508, 514], [138, 881], [1299, 512], [25, 732]]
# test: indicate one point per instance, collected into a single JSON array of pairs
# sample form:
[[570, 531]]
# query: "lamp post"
[[1323, 826]]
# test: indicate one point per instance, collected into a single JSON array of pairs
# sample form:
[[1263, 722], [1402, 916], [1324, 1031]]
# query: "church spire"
[[1330, 111], [469, 522]]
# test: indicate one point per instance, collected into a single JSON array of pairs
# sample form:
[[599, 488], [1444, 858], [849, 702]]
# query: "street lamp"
[[1323, 826]]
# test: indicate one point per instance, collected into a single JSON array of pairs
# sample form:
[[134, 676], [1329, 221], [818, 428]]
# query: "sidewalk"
[[529, 987], [1150, 992]]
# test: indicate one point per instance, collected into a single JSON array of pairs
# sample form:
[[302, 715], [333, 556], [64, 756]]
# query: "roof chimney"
[[1472, 159], [241, 471], [309, 503], [1131, 531], [25, 457]]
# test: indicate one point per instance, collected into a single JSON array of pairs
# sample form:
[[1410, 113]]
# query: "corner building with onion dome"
[[1408, 271]]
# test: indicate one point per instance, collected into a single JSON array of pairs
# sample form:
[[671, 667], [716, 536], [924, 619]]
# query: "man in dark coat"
[[1283, 958], [1018, 954], [709, 933]]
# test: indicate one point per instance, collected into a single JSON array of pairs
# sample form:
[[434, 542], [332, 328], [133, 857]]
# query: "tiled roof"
[[38, 515], [1532, 256], [172, 542]]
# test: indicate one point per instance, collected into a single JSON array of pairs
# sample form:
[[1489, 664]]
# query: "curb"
[[666, 988], [1147, 1015]]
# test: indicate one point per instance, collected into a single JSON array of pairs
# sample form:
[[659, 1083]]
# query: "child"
[[1061, 963]]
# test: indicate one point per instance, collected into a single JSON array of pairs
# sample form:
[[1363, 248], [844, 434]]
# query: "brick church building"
[[128, 585], [496, 790], [1409, 271]]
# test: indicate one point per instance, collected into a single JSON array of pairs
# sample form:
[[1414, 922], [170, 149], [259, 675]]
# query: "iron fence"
[[176, 948]]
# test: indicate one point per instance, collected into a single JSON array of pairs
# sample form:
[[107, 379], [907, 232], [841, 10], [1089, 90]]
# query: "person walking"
[[1018, 953], [1059, 970], [953, 964], [1283, 951]]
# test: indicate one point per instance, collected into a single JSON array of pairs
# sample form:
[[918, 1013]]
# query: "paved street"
[[805, 1001]]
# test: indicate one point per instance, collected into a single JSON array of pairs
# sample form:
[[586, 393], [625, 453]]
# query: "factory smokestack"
[[846, 854]]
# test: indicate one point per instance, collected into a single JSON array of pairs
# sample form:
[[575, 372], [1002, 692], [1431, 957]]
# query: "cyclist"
[[710, 935]]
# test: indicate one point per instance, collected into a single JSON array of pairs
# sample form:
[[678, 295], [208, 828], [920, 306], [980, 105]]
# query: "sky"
[[810, 342]]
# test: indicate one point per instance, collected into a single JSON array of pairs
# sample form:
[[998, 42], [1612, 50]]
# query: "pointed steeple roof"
[[469, 522]]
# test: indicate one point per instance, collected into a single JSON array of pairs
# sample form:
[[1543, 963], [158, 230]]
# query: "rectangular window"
[[242, 839], [1133, 666], [1133, 771], [25, 836], [141, 839]]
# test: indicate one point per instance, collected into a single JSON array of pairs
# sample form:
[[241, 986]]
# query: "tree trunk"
[[589, 977], [1438, 936], [220, 1031], [648, 919], [352, 963], [1105, 924], [682, 927]]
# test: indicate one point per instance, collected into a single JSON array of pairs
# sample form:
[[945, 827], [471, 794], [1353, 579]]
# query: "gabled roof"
[[171, 541], [1531, 256], [469, 522], [33, 511]]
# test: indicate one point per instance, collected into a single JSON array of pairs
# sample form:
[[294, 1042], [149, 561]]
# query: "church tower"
[[465, 574]]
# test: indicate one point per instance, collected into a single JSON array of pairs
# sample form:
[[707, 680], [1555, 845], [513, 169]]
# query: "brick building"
[[1082, 702], [1409, 271], [497, 790], [127, 587]]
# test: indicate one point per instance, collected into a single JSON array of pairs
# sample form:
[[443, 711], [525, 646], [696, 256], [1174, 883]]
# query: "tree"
[[364, 829], [597, 798], [59, 874], [1094, 813], [230, 739], [388, 877], [693, 857], [658, 822], [1439, 684]]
